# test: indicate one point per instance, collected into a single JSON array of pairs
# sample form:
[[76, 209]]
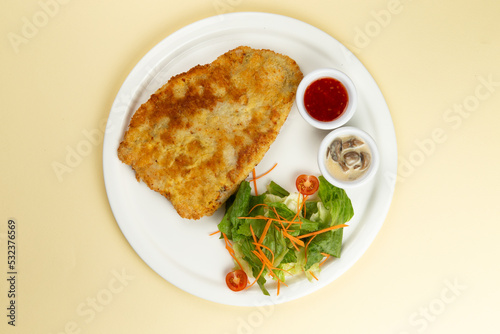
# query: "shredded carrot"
[[299, 209], [282, 282], [261, 204], [304, 199], [322, 231], [298, 203], [268, 219], [307, 245], [231, 250], [266, 228], [263, 266], [271, 272], [256, 217], [214, 233], [260, 245], [277, 215], [286, 235], [259, 217], [267, 263], [269, 249], [258, 177], [326, 258], [283, 270], [295, 246], [253, 234], [261, 253], [262, 258], [293, 239], [254, 182], [281, 224], [304, 206], [263, 263]]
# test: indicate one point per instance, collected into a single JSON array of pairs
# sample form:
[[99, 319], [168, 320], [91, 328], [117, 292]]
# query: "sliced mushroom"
[[350, 155], [351, 158], [343, 166], [357, 142], [352, 143], [365, 160], [336, 149]]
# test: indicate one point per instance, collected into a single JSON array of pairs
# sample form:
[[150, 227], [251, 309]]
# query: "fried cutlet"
[[202, 133]]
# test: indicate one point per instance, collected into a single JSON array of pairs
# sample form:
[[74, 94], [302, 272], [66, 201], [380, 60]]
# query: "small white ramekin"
[[342, 132], [327, 73]]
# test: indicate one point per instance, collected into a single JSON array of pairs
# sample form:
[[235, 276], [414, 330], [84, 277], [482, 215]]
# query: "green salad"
[[279, 233]]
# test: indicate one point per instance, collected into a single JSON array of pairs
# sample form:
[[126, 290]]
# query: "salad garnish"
[[236, 280], [278, 233], [255, 178], [307, 184]]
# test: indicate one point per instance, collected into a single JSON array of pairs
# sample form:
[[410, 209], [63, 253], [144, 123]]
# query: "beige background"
[[433, 268]]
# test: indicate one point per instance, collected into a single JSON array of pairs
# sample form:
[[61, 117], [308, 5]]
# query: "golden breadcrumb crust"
[[203, 132]]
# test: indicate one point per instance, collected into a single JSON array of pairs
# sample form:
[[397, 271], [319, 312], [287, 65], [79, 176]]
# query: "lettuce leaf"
[[277, 190], [332, 208], [239, 208], [336, 208], [336, 201]]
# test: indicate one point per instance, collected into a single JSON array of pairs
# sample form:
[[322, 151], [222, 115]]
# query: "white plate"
[[181, 251]]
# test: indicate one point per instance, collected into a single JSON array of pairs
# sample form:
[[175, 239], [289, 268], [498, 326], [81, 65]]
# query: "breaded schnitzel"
[[203, 132]]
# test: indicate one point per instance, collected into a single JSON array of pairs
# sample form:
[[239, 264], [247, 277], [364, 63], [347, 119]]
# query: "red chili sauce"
[[325, 99]]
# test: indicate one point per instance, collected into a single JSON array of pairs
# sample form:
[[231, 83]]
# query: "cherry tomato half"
[[307, 184], [236, 280]]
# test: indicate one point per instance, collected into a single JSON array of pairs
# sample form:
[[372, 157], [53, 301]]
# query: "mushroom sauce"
[[348, 158]]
